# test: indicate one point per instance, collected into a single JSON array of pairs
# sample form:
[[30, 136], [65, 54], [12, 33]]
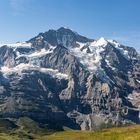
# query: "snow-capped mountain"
[[61, 78]]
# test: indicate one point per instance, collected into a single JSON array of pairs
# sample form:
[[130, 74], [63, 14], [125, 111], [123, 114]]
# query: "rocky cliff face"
[[63, 79]]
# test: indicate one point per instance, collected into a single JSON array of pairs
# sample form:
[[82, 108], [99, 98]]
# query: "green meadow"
[[122, 133]]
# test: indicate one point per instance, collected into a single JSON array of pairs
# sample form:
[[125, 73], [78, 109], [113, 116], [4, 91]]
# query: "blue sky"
[[21, 20]]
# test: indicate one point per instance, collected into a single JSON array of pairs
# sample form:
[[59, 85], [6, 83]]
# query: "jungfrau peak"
[[63, 79]]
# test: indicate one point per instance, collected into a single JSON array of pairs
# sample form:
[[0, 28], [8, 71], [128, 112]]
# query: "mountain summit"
[[62, 79]]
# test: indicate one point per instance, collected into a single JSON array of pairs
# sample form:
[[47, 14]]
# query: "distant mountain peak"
[[100, 42], [64, 28], [60, 78], [63, 36]]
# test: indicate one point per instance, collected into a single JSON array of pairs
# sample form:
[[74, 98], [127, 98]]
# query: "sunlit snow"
[[21, 67], [91, 59], [18, 44]]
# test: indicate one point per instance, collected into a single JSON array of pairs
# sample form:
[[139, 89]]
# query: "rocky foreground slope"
[[64, 80]]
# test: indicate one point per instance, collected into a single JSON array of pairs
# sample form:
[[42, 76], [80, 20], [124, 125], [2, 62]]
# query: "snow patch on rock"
[[122, 50], [19, 69], [89, 54], [18, 45]]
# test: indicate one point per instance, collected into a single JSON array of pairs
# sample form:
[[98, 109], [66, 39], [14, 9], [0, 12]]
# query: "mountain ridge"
[[63, 79]]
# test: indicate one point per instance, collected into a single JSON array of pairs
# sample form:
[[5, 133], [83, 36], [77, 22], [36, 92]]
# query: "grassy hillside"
[[26, 133], [124, 133]]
